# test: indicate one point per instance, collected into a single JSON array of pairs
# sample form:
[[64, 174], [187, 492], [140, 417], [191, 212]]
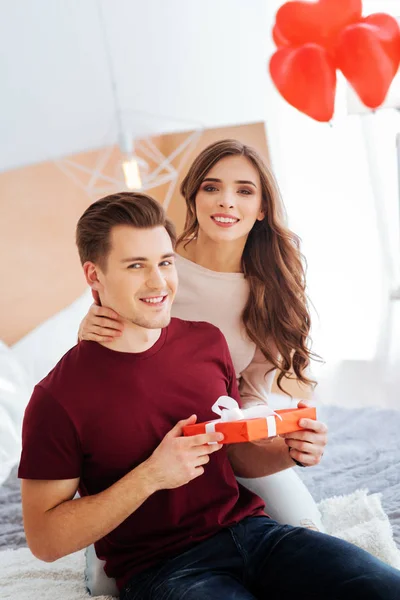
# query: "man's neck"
[[134, 339]]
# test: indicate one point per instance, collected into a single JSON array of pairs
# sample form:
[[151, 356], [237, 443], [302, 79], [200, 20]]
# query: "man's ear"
[[92, 276]]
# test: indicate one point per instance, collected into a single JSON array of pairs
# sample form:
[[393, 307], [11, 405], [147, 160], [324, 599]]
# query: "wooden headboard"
[[40, 272]]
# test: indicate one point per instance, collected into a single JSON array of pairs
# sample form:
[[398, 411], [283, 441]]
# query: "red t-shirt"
[[100, 413]]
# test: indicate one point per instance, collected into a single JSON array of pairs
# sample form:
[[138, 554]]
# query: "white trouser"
[[287, 499]]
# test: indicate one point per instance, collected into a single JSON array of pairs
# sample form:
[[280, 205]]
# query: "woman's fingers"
[[307, 453], [104, 311], [96, 297], [308, 460], [105, 331], [301, 446], [93, 337], [108, 324], [311, 425]]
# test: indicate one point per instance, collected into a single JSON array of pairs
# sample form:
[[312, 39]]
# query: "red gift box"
[[247, 430]]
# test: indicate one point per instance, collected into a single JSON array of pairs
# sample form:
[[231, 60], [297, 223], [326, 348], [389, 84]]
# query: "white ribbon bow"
[[228, 410]]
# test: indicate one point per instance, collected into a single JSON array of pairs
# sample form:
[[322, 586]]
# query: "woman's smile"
[[224, 220]]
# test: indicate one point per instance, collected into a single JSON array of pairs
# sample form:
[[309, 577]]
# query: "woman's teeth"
[[224, 220]]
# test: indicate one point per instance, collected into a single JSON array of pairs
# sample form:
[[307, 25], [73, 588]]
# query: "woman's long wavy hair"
[[276, 316]]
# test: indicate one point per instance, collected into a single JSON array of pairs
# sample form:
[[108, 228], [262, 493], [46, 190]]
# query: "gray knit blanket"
[[363, 452]]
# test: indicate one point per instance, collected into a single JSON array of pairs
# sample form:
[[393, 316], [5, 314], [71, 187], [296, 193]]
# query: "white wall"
[[206, 60], [202, 60], [327, 181]]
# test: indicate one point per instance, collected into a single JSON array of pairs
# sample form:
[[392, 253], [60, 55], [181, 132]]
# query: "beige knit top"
[[219, 298]]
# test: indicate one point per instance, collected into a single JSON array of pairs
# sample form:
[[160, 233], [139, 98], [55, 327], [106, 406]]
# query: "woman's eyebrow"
[[237, 181], [246, 181]]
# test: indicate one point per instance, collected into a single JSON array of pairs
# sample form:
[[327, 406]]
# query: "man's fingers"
[[206, 449], [202, 460], [198, 471], [206, 438], [177, 429]]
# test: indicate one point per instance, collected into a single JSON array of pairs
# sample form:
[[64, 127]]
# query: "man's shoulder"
[[201, 328], [66, 371]]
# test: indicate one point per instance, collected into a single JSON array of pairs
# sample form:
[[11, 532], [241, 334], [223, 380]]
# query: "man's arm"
[[57, 525]]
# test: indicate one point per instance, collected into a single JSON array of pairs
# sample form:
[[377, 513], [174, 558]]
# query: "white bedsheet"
[[25, 364], [14, 395]]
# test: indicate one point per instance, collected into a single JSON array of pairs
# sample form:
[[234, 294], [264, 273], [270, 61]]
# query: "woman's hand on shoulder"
[[101, 324]]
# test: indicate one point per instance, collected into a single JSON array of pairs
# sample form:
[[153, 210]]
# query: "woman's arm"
[[256, 380], [264, 457], [306, 446], [253, 460]]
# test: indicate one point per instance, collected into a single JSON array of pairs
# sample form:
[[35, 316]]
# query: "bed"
[[362, 454]]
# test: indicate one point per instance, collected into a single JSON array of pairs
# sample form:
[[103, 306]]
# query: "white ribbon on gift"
[[228, 410]]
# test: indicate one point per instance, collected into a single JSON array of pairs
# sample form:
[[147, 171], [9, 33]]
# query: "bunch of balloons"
[[316, 39]]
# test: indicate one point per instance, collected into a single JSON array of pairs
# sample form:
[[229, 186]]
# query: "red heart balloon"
[[278, 38], [319, 22], [306, 77], [388, 31], [363, 60]]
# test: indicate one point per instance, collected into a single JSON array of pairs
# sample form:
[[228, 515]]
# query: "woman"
[[240, 269]]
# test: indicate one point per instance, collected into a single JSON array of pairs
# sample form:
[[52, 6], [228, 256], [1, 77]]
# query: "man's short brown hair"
[[127, 208]]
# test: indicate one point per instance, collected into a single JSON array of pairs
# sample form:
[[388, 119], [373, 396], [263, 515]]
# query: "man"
[[165, 512]]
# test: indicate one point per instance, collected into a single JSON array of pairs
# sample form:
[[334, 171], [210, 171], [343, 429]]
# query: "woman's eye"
[[209, 188], [166, 263], [245, 192]]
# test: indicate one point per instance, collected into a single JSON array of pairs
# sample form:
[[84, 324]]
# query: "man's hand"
[[307, 446], [178, 459]]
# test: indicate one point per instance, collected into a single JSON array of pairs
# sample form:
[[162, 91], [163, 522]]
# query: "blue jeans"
[[258, 558]]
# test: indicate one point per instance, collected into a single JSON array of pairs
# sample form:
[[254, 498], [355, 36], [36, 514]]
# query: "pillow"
[[40, 350], [14, 396], [96, 580], [25, 364]]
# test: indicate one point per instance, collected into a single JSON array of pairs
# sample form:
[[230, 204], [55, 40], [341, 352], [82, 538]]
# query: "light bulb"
[[132, 176]]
